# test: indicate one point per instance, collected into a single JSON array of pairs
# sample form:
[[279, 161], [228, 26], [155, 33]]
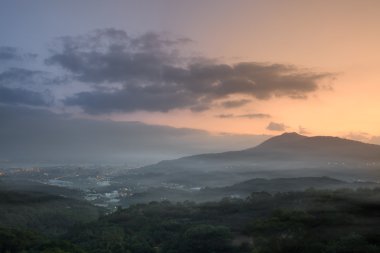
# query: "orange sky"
[[335, 36], [341, 37]]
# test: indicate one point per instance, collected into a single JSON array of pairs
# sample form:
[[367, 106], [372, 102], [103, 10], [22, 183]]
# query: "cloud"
[[110, 55], [273, 126], [18, 74], [255, 116], [132, 99], [26, 77], [13, 53], [375, 140], [235, 103], [225, 116], [19, 86], [28, 134], [20, 96], [154, 76], [359, 136], [8, 53], [303, 130], [248, 116]]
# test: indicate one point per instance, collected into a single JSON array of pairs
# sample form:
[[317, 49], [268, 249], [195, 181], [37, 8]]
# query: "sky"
[[225, 68]]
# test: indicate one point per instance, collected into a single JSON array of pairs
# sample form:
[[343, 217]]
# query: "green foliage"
[[342, 221], [206, 239], [48, 214], [14, 241]]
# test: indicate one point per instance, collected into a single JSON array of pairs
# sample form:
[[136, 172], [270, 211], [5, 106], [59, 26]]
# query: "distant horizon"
[[133, 162]]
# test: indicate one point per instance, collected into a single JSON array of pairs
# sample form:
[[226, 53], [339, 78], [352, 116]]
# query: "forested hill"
[[341, 221], [42, 212]]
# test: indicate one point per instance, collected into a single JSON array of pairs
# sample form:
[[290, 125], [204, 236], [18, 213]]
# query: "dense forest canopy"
[[337, 221]]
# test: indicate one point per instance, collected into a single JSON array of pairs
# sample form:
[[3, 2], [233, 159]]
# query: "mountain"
[[286, 155], [293, 146], [336, 148]]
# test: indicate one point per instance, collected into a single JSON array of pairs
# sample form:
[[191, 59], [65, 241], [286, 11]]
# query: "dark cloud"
[[19, 86], [273, 126], [16, 83], [225, 116], [131, 99], [39, 135], [155, 77], [22, 76], [18, 74], [255, 116], [248, 116], [8, 53], [235, 103], [13, 53], [110, 55], [20, 96]]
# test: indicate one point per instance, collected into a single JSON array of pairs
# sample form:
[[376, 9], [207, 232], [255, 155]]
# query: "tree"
[[206, 239]]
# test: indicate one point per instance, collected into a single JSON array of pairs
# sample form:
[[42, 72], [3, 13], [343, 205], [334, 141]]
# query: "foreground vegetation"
[[310, 221]]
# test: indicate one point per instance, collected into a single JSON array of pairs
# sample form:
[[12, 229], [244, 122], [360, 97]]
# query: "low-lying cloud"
[[28, 134], [248, 116], [279, 127], [375, 139], [235, 103]]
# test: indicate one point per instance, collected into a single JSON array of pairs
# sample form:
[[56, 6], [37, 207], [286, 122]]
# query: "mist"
[[38, 136]]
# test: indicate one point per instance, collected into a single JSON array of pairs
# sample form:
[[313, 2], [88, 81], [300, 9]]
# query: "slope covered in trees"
[[310, 221]]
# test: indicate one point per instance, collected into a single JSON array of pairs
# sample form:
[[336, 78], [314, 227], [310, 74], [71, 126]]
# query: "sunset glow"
[[244, 68]]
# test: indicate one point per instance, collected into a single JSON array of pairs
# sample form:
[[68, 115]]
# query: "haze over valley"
[[287, 162]]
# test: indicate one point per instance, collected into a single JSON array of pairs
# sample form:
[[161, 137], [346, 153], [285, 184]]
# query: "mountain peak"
[[288, 136], [282, 140], [291, 135]]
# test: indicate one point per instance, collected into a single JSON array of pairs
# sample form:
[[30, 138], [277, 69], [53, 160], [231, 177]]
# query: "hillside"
[[286, 155], [42, 212], [244, 189], [313, 221]]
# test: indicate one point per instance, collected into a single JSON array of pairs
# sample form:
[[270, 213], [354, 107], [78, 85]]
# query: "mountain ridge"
[[286, 155], [295, 142]]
